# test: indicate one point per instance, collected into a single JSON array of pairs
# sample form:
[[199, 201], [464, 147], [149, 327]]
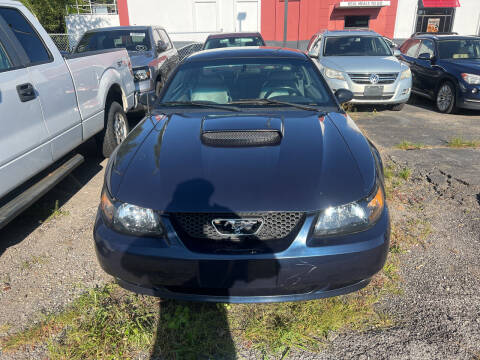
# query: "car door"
[[51, 79], [24, 146], [427, 73], [409, 53]]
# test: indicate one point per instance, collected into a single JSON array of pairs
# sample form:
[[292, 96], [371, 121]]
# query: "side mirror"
[[312, 55], [343, 95], [147, 99], [425, 56], [161, 46], [397, 52]]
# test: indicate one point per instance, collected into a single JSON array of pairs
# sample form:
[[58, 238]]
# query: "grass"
[[111, 323], [34, 260], [407, 145], [459, 142], [56, 212]]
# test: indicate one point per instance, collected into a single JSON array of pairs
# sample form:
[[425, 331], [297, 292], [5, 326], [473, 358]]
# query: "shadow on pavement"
[[22, 226]]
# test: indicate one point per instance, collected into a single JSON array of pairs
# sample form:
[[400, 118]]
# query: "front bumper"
[[142, 87], [307, 269], [396, 93], [469, 97]]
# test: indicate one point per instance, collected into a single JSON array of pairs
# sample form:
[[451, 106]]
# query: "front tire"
[[397, 107], [445, 99], [116, 128]]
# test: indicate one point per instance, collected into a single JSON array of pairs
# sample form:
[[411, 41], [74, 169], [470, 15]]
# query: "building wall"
[[466, 21], [319, 15], [78, 24], [193, 20]]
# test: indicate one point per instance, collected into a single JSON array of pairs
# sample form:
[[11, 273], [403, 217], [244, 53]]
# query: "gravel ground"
[[46, 263]]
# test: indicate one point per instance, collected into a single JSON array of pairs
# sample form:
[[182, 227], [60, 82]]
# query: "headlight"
[[471, 79], [128, 218], [353, 217], [141, 74], [333, 74], [406, 74]]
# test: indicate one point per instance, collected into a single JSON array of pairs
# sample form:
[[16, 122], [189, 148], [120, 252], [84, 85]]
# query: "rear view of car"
[[362, 62], [233, 40]]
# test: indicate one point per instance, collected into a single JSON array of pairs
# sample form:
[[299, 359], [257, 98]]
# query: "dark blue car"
[[247, 183], [446, 69]]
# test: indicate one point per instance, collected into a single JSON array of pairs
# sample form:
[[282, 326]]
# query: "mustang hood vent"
[[242, 131]]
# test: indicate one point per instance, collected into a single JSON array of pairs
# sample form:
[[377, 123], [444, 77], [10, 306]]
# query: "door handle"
[[26, 92]]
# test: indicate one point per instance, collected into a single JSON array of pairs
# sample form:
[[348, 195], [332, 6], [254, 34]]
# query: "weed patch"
[[407, 145], [459, 142]]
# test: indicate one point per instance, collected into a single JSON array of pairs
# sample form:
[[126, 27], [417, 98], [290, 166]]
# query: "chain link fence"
[[189, 49], [65, 42]]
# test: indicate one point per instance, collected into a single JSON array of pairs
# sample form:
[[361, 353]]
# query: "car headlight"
[[353, 217], [406, 74], [128, 218], [141, 74], [333, 74], [471, 79]]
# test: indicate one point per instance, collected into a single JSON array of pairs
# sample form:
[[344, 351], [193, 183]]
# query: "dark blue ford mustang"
[[247, 183]]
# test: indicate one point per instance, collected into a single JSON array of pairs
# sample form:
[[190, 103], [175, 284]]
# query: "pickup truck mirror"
[[425, 56], [312, 55], [343, 95], [147, 99], [397, 52], [161, 46]]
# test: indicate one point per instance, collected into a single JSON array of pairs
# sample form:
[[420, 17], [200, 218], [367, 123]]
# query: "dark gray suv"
[[151, 51]]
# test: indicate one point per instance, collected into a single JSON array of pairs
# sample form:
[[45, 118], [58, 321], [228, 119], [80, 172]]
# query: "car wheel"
[[446, 98], [116, 128], [397, 107]]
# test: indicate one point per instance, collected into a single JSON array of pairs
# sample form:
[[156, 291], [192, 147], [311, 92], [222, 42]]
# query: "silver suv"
[[362, 62]]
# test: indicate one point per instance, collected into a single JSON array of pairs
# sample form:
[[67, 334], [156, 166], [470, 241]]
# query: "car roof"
[[246, 52], [354, 32], [234, 35], [444, 36], [113, 28]]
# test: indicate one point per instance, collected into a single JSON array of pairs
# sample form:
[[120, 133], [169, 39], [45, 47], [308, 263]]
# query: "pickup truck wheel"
[[116, 129], [446, 98]]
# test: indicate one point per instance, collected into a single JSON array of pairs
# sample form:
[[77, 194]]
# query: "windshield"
[[233, 41], [459, 49], [356, 46], [137, 40], [228, 81]]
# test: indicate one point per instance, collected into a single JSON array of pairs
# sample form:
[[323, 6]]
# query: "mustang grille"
[[276, 225], [364, 78], [234, 138]]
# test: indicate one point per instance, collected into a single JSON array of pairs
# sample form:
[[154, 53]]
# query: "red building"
[[318, 15]]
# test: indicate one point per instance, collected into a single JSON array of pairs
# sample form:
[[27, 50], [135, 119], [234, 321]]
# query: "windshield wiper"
[[200, 104], [275, 102]]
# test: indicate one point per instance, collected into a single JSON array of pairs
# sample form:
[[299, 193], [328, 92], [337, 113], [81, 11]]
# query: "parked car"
[[362, 62], [151, 51], [233, 40], [50, 104], [446, 69], [247, 183]]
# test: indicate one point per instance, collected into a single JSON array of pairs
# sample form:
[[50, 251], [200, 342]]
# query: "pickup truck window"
[[5, 63], [165, 38], [132, 40], [26, 36]]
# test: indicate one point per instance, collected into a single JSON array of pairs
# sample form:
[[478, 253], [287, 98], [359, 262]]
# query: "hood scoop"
[[241, 131]]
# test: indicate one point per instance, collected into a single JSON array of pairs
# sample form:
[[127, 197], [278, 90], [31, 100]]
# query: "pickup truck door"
[[24, 147], [50, 78]]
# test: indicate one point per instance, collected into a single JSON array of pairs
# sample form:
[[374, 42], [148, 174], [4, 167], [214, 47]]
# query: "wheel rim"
[[120, 127], [444, 97]]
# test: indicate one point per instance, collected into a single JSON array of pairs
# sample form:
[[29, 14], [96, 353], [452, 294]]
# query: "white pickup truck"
[[50, 104]]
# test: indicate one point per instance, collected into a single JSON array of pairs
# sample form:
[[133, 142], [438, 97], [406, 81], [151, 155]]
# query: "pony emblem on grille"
[[237, 227]]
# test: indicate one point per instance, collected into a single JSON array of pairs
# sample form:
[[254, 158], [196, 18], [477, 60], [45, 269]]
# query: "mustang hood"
[[309, 167], [363, 64]]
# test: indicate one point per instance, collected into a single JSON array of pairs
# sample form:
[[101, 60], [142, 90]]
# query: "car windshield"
[[356, 46], [249, 81], [233, 42], [459, 49], [132, 40]]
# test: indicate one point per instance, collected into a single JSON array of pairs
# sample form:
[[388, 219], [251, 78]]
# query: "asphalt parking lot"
[[47, 257]]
